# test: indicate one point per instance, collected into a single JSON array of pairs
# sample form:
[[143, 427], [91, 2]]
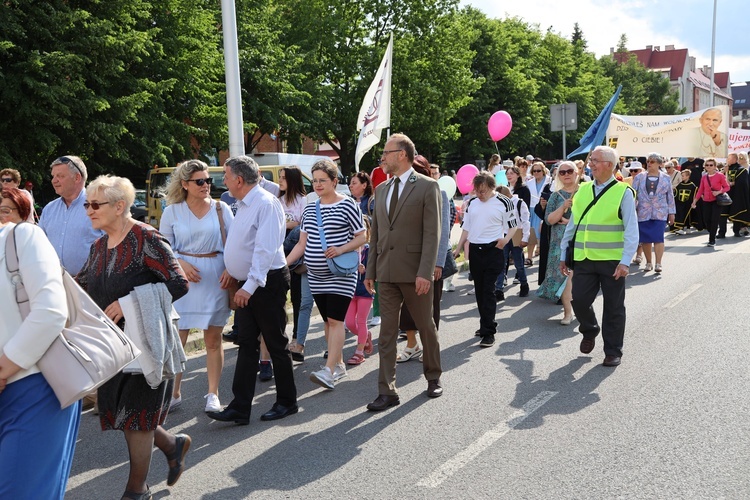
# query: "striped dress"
[[342, 221]]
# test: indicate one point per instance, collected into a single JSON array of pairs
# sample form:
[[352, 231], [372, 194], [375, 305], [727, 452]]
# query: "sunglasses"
[[68, 161], [634, 170], [7, 180], [200, 182], [94, 205], [537, 171], [565, 172], [710, 165]]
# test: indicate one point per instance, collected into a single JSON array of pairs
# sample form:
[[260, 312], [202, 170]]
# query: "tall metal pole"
[[564, 127], [713, 56], [232, 78]]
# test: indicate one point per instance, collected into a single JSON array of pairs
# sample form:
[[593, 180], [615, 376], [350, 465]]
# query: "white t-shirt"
[[486, 221]]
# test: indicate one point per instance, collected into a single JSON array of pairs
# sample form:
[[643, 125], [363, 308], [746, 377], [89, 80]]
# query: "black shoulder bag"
[[569, 262]]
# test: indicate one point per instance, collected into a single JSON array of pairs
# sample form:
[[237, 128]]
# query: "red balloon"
[[377, 176]]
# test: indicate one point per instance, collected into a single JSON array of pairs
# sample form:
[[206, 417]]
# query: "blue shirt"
[[69, 230]]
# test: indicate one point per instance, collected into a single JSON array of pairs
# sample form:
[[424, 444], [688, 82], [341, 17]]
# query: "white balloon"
[[448, 185]]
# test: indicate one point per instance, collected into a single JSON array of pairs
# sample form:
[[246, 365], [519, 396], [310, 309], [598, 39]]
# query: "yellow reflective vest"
[[601, 233]]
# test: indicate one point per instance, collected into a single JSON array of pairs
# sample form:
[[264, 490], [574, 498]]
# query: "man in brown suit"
[[403, 250]]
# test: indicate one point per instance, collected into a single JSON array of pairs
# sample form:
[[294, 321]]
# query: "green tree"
[[123, 84]]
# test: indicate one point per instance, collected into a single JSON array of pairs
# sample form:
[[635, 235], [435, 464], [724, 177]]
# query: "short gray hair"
[[113, 189], [655, 156], [74, 163], [245, 167], [183, 172], [610, 155]]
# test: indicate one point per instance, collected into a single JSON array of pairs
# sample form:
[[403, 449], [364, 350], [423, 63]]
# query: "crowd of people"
[[587, 219]]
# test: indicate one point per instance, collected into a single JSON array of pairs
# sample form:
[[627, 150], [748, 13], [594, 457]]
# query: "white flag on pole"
[[375, 113]]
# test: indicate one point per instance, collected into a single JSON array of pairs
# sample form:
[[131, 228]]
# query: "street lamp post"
[[713, 56]]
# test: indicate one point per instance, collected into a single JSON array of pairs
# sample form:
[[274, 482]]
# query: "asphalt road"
[[530, 417]]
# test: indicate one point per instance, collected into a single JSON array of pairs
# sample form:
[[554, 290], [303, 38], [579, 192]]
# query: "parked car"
[[138, 210]]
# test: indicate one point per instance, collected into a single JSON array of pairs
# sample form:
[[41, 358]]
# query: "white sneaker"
[[339, 372], [680, 231], [450, 287], [175, 403], [375, 321], [212, 402], [516, 281], [323, 378], [471, 292]]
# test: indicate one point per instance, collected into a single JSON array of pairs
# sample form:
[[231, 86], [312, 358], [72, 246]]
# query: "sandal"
[[368, 345], [408, 353], [657, 268], [638, 259], [527, 262], [131, 495], [298, 352], [357, 359]]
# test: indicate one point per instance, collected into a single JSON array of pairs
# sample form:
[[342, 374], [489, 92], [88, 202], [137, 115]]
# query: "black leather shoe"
[[230, 336], [181, 449], [434, 389], [383, 402], [612, 360], [278, 411], [587, 345], [230, 415]]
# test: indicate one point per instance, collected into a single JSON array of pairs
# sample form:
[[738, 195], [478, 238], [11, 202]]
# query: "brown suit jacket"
[[407, 247]]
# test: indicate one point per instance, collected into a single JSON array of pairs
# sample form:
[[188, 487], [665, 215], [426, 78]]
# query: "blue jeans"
[[517, 252], [305, 311]]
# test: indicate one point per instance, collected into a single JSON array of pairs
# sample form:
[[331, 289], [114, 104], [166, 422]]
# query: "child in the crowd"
[[515, 248], [684, 193], [359, 307]]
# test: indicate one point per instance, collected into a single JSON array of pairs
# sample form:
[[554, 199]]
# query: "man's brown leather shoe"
[[383, 402], [434, 389], [612, 360], [587, 345]]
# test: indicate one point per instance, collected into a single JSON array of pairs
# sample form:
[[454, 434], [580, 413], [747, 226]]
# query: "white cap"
[[529, 158], [507, 163], [635, 164]]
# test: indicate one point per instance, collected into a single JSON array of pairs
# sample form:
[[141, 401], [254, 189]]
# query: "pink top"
[[708, 184]]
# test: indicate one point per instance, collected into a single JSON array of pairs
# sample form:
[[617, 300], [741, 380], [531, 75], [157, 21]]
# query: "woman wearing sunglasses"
[[11, 179], [129, 255], [556, 216], [191, 224], [712, 185]]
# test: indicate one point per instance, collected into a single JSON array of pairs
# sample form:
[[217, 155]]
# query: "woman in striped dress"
[[344, 232]]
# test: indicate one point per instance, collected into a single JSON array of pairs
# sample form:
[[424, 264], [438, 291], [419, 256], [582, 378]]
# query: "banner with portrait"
[[701, 134]]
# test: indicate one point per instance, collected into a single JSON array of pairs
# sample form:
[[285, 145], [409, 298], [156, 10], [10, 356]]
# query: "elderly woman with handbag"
[[331, 227], [37, 437], [192, 223], [131, 254]]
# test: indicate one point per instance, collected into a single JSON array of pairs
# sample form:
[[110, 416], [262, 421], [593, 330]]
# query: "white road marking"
[[485, 441], [672, 303]]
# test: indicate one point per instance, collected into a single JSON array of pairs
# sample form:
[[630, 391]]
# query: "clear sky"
[[682, 23]]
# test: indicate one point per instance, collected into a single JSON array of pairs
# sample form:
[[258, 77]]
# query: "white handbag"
[[89, 351]]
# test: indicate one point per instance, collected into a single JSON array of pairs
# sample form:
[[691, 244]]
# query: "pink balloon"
[[499, 125], [465, 178]]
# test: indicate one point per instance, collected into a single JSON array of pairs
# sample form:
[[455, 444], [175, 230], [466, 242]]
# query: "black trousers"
[[712, 218], [591, 276], [486, 262], [263, 315]]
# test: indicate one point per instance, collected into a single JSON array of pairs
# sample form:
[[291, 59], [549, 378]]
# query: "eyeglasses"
[[670, 166], [8, 180], [537, 171], [200, 182], [7, 210], [565, 172], [320, 181], [594, 161], [94, 205], [386, 151], [66, 160], [653, 161]]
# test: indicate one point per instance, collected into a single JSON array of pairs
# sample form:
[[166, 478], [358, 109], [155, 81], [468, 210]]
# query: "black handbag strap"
[[593, 202]]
